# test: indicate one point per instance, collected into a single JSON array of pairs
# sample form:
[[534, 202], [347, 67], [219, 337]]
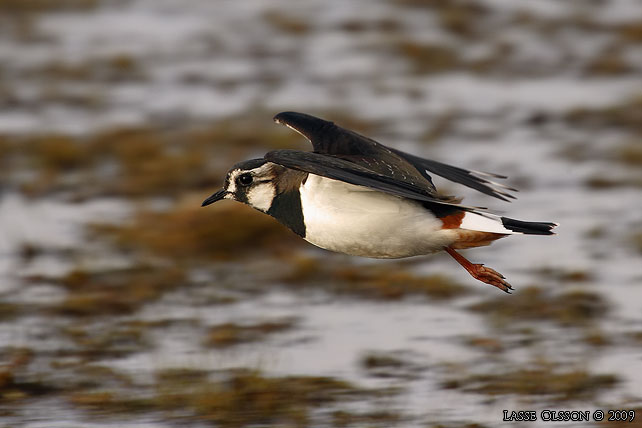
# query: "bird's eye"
[[245, 179]]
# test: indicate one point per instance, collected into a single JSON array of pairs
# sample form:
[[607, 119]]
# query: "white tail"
[[485, 223]]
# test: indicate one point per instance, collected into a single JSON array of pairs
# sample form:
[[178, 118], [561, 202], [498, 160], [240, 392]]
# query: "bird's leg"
[[480, 272]]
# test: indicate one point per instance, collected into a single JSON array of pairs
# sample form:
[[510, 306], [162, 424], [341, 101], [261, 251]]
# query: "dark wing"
[[463, 176], [340, 169], [328, 138]]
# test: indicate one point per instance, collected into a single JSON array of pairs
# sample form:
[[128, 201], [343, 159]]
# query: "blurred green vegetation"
[[136, 162], [45, 5], [387, 281], [568, 308], [539, 377], [228, 334], [232, 399]]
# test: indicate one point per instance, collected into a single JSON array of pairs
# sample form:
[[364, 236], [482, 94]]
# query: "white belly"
[[363, 222]]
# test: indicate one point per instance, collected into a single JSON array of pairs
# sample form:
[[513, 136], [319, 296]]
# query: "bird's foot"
[[481, 272], [489, 276]]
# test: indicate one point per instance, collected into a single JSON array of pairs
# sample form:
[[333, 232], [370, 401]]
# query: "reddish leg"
[[481, 273]]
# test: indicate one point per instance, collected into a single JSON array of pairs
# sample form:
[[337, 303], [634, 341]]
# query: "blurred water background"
[[123, 303]]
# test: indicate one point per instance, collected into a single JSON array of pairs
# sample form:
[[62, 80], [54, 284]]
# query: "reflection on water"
[[122, 301]]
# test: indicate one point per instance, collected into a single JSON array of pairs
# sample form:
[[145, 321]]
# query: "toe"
[[494, 278]]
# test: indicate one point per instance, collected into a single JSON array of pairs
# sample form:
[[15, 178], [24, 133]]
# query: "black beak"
[[215, 197]]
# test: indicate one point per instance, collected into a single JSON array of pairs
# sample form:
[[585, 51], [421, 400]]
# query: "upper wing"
[[463, 176], [328, 138], [349, 172]]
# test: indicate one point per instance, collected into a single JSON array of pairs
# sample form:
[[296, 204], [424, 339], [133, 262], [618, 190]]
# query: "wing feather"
[[463, 176], [328, 138], [339, 169]]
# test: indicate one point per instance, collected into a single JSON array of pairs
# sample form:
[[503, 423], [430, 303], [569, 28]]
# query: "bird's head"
[[251, 182]]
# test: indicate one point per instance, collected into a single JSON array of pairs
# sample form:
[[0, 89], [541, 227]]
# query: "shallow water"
[[172, 65]]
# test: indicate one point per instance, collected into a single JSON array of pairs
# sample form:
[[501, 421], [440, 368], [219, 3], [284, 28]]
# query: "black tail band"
[[529, 227]]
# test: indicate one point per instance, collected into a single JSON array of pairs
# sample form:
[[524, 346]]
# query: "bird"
[[356, 196]]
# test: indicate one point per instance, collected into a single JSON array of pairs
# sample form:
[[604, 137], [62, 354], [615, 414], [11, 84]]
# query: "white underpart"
[[485, 223], [260, 196], [360, 221]]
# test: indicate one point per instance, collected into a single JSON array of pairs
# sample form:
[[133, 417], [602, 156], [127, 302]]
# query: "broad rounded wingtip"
[[282, 118], [297, 119]]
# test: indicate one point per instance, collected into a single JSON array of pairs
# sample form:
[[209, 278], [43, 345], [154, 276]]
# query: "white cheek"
[[261, 196], [231, 188]]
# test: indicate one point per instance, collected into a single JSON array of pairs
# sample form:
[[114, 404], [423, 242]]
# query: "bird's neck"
[[286, 208]]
